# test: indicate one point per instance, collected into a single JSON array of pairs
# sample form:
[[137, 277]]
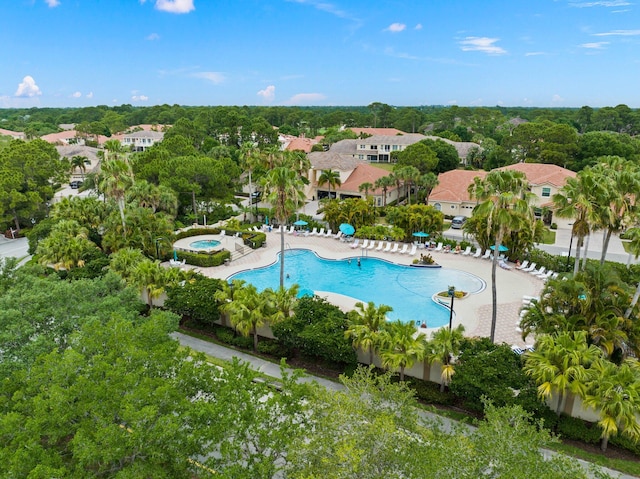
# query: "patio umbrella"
[[175, 255], [421, 234], [301, 223], [347, 229], [502, 248]]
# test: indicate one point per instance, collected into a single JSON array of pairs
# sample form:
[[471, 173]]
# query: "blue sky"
[[540, 53]]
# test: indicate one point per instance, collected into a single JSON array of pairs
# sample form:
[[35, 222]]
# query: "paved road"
[[273, 370], [17, 248]]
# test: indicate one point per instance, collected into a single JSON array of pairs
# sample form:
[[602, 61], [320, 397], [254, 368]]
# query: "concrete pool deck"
[[474, 312]]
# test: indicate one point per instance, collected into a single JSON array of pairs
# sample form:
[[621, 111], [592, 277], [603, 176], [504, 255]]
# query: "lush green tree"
[[116, 178], [331, 178], [446, 154], [400, 348], [442, 347], [420, 156], [66, 247], [560, 364], [366, 324], [384, 182], [249, 311], [504, 201], [79, 162]]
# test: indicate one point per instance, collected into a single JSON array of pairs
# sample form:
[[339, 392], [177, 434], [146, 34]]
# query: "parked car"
[[75, 184], [458, 222]]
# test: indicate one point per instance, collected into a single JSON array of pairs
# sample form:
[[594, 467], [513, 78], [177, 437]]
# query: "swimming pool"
[[205, 244], [408, 290]]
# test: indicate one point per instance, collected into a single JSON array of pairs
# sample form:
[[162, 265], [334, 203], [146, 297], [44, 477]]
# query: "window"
[[546, 192], [372, 157], [395, 147], [361, 157], [386, 147], [438, 206], [384, 158], [374, 147], [362, 147]]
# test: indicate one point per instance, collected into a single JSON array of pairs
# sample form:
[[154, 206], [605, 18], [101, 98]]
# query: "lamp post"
[[570, 245], [452, 293]]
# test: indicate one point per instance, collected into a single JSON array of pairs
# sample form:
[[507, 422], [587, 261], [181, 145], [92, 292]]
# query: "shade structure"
[[421, 234], [301, 223], [501, 249], [347, 229]]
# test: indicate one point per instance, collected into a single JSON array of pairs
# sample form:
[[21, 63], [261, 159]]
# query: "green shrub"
[[625, 443], [430, 393], [273, 348], [553, 226], [244, 342], [205, 259], [225, 335], [574, 428]]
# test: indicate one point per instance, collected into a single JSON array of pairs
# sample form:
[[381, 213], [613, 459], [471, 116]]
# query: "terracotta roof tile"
[[541, 173], [363, 173], [453, 185]]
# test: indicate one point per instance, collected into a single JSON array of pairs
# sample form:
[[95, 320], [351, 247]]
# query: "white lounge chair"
[[478, 253], [354, 245], [524, 264], [504, 265], [380, 246], [321, 232], [467, 251], [395, 248], [365, 243], [388, 247], [555, 275], [531, 267], [413, 250], [372, 244], [338, 235], [545, 276], [538, 271], [328, 233], [404, 249], [223, 233], [292, 230], [314, 231], [486, 254], [439, 247]]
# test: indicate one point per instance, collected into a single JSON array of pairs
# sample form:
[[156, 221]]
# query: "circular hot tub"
[[205, 245]]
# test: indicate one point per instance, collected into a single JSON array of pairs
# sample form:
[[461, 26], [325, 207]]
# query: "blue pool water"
[[407, 289], [205, 244]]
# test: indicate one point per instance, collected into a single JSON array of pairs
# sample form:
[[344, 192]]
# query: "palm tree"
[[249, 159], [283, 300], [284, 191], [399, 346], [331, 178], [249, 311], [560, 363], [443, 346], [80, 162], [504, 201], [365, 324], [384, 182], [117, 178], [634, 249], [428, 182], [614, 391], [149, 277], [366, 186], [408, 175], [227, 294]]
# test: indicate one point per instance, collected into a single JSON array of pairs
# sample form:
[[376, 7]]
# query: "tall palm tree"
[[249, 311], [80, 162], [560, 363], [149, 277], [284, 189], [428, 182], [407, 175], [504, 201], [384, 182], [615, 392], [365, 325], [249, 160], [400, 348], [283, 300], [444, 345], [331, 178], [366, 186], [634, 249], [117, 178]]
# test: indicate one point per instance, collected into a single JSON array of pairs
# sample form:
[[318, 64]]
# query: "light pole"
[[452, 293], [570, 244]]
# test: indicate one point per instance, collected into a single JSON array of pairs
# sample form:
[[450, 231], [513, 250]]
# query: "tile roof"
[[293, 143], [377, 131], [541, 173], [65, 136], [453, 185], [404, 139], [14, 134], [363, 173], [331, 160]]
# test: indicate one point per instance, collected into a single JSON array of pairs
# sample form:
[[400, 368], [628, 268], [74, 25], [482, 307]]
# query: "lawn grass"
[[627, 467], [548, 237], [384, 166]]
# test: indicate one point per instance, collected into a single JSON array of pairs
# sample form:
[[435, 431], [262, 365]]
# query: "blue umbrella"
[[301, 223], [502, 248], [175, 255], [421, 234], [347, 229]]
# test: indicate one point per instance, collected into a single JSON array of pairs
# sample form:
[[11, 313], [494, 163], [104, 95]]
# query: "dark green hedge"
[[204, 259]]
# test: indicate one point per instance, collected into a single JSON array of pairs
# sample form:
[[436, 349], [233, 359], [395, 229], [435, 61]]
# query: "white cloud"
[[90, 94], [52, 3], [481, 44], [557, 99], [214, 77], [153, 36], [76, 94], [594, 45], [28, 88], [604, 3], [175, 6], [621, 33], [139, 98], [305, 99], [395, 27], [268, 94], [533, 54], [418, 26]]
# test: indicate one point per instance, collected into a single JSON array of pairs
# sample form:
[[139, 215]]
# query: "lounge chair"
[[292, 230], [545, 276], [314, 231], [372, 244], [478, 253], [413, 250], [321, 232], [395, 248], [486, 254], [354, 245], [538, 271], [504, 265], [467, 251], [388, 247], [337, 235], [380, 246], [524, 264], [328, 233], [439, 247], [365, 243], [404, 249], [223, 233], [555, 275], [530, 268]]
